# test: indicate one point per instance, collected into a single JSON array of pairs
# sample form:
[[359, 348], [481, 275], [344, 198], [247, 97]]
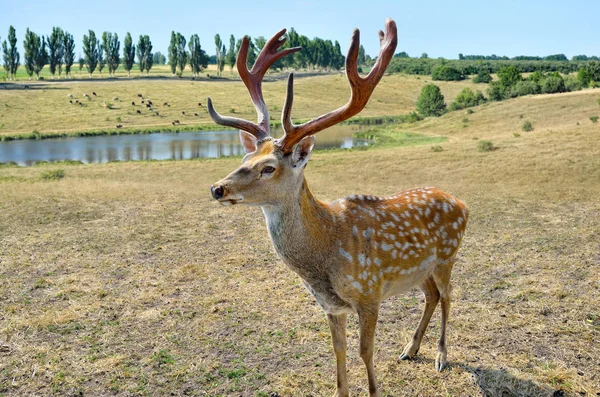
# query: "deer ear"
[[302, 151], [248, 141]]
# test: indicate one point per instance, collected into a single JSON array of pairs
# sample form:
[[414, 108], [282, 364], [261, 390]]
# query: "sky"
[[438, 28]]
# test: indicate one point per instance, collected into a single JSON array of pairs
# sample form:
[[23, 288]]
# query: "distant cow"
[[149, 102], [70, 95], [86, 95], [119, 125], [140, 96], [148, 105], [200, 104], [183, 113], [132, 103], [94, 93], [115, 98], [143, 101], [139, 111], [176, 122], [166, 104], [196, 114], [71, 101]]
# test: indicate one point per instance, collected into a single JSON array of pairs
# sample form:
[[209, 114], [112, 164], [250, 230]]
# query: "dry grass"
[[45, 107], [128, 279]]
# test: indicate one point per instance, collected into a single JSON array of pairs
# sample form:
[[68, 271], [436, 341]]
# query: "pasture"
[[128, 279], [44, 107]]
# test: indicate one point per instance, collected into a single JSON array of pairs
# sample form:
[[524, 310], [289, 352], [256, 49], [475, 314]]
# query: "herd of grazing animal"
[[143, 101]]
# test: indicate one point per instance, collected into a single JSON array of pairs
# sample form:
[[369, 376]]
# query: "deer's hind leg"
[[441, 276], [432, 297]]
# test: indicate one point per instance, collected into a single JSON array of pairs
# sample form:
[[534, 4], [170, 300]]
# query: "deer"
[[352, 253]]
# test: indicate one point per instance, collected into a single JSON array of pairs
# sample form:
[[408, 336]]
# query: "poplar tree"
[[101, 59], [173, 53], [219, 54], [11, 54], [111, 44], [144, 53], [221, 64], [198, 58], [91, 51], [55, 50], [68, 53], [182, 55], [231, 54], [36, 56], [128, 54]]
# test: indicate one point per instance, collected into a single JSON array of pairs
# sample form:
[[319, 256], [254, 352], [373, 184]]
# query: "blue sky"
[[439, 28]]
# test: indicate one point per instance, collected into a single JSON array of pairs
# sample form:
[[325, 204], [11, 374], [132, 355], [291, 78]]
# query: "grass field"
[[127, 279], [45, 107]]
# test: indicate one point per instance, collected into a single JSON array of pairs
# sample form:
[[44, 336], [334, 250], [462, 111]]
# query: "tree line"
[[57, 50]]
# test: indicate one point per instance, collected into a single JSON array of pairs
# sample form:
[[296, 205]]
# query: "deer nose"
[[217, 192]]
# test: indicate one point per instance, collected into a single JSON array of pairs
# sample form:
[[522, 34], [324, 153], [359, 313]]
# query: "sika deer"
[[354, 252]]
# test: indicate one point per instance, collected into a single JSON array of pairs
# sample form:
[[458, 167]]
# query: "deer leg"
[[367, 319], [432, 297], [441, 277], [337, 325]]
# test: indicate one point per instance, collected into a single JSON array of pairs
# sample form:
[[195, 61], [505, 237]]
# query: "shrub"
[[437, 148], [526, 87], [516, 134], [413, 117], [572, 83], [446, 73], [594, 119], [483, 76], [527, 126], [485, 146], [509, 76], [536, 76], [54, 175], [496, 91], [584, 77], [431, 101], [553, 84], [470, 111], [465, 120], [467, 98]]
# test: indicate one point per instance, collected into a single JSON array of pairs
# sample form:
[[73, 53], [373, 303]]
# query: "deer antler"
[[253, 79], [362, 88]]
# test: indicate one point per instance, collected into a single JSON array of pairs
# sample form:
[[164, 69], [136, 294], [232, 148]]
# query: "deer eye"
[[268, 170]]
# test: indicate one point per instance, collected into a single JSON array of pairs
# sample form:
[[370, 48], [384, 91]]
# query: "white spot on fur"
[[346, 254]]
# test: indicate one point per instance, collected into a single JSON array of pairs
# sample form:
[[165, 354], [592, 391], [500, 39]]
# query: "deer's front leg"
[[337, 325], [367, 319]]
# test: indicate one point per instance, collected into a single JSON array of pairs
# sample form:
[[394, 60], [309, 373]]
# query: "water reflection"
[[189, 145]]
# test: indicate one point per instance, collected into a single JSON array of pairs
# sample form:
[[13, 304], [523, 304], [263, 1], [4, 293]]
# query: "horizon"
[[442, 37]]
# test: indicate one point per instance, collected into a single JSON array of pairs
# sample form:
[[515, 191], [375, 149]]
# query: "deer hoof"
[[440, 362], [409, 352]]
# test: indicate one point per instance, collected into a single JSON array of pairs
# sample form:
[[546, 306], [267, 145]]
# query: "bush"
[[485, 146], [437, 148], [446, 73], [509, 76], [572, 83], [553, 84], [54, 175], [526, 87], [584, 77], [527, 126], [431, 101], [467, 98], [594, 119], [483, 76], [413, 117], [496, 91]]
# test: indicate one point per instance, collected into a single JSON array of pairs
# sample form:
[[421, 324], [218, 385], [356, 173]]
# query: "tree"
[[68, 52], [111, 45], [91, 51], [483, 76], [159, 59], [218, 45], [509, 76], [431, 101], [182, 55], [361, 55], [36, 56], [198, 58], [11, 54], [144, 53], [231, 54], [339, 59], [251, 51], [101, 59], [56, 50], [221, 64], [128, 53], [81, 63], [424, 56], [173, 53]]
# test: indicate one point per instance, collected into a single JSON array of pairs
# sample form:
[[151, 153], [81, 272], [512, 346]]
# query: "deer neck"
[[298, 227]]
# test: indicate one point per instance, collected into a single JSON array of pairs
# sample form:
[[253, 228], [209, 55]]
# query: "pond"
[[161, 146]]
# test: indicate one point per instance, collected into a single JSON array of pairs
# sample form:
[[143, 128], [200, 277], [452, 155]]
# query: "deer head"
[[273, 168]]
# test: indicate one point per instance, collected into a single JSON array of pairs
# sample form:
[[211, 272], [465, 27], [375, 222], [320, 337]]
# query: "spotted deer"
[[354, 252]]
